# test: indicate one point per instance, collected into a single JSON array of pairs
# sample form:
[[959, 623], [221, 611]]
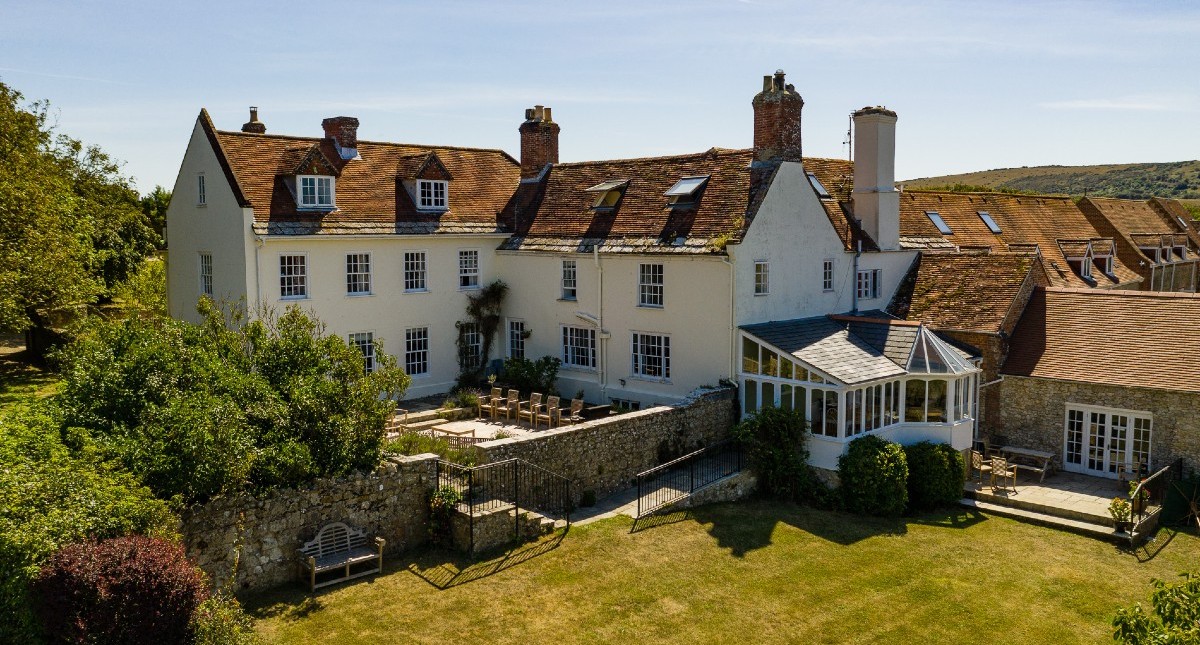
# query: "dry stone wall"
[[605, 455], [1034, 411], [262, 534]]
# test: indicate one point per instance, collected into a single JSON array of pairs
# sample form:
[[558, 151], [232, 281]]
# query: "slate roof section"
[[1056, 338], [827, 345], [970, 292], [369, 194], [1023, 220]]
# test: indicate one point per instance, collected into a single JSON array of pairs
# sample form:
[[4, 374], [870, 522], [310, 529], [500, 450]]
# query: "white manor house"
[[647, 277]]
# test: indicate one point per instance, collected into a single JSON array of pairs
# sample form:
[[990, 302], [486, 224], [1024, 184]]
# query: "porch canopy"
[[857, 374]]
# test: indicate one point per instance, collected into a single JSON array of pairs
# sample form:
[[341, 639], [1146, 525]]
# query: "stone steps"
[[1006, 501], [1090, 529]]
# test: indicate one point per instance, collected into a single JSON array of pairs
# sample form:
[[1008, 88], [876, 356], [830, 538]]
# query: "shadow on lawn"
[[744, 527], [444, 570]]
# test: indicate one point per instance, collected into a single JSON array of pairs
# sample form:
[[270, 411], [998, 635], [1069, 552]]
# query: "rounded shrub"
[[874, 477], [131, 589], [775, 443], [936, 473]]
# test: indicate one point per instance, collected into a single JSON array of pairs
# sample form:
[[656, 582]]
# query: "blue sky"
[[977, 85]]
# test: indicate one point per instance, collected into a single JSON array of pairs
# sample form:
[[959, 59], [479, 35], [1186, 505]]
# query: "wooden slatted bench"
[[338, 546]]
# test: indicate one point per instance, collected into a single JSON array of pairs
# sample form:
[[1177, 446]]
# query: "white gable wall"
[[792, 232], [220, 227]]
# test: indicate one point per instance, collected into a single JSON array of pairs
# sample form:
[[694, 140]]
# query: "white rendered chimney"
[[876, 200]]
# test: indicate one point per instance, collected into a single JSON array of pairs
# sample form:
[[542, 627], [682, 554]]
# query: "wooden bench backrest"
[[334, 538]]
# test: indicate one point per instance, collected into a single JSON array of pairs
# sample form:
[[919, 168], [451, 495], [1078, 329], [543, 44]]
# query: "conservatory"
[[853, 375]]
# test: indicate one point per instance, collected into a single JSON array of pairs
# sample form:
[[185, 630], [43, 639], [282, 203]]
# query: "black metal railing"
[[678, 479], [513, 483], [1147, 500]]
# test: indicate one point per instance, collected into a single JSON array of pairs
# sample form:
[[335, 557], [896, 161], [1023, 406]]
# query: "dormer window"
[[316, 191], [989, 222], [1181, 252], [1104, 263], [686, 191], [431, 194], [608, 194], [939, 222], [818, 186], [1150, 252]]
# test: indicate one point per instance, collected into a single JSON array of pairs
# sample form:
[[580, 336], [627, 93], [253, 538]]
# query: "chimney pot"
[[767, 84], [539, 141], [254, 126]]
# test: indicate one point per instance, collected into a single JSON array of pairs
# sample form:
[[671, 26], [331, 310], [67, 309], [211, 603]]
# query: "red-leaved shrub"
[[124, 590]]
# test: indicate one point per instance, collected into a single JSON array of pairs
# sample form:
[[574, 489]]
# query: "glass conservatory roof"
[[932, 355]]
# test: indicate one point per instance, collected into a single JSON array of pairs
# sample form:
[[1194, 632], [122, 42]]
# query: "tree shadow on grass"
[[747, 526], [444, 569]]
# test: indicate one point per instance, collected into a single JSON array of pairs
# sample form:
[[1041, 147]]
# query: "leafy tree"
[[154, 205], [45, 256], [198, 410], [71, 226], [1176, 617], [52, 495]]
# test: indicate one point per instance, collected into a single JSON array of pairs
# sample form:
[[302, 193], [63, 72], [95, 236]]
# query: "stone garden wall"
[[1034, 411], [605, 455], [263, 533]]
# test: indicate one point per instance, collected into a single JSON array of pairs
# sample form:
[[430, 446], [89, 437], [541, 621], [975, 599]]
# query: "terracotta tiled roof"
[[837, 175], [554, 212], [961, 291], [1149, 338], [368, 193], [1023, 220], [1177, 214], [556, 209]]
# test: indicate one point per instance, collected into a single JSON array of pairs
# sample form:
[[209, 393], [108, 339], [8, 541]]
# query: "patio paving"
[[1068, 495], [484, 428]]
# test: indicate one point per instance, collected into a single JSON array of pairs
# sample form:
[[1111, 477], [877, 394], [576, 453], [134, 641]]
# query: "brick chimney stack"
[[344, 132], [254, 126], [539, 141], [777, 120]]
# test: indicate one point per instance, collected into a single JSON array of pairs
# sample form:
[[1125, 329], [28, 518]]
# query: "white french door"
[[1098, 441]]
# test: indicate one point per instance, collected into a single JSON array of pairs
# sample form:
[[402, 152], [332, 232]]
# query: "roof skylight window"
[[939, 222], [1182, 222], [818, 186], [686, 190], [991, 223], [608, 193]]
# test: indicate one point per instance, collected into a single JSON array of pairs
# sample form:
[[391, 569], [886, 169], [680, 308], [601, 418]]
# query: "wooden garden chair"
[[1001, 469], [979, 465], [575, 415], [512, 405], [530, 409], [491, 403], [552, 414]]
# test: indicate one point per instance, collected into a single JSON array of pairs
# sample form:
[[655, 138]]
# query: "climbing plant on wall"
[[483, 318]]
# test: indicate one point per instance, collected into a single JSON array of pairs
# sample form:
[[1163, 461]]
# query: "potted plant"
[[1119, 509], [1138, 500]]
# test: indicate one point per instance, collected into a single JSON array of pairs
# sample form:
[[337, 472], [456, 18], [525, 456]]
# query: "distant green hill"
[[1180, 179]]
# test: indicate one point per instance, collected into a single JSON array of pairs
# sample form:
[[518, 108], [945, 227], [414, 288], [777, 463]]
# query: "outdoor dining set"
[[1002, 463], [534, 410]]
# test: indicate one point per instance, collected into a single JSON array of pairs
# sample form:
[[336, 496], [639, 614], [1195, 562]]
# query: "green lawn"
[[744, 573]]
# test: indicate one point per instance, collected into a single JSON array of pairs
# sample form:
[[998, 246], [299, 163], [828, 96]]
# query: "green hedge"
[[874, 475], [936, 474]]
